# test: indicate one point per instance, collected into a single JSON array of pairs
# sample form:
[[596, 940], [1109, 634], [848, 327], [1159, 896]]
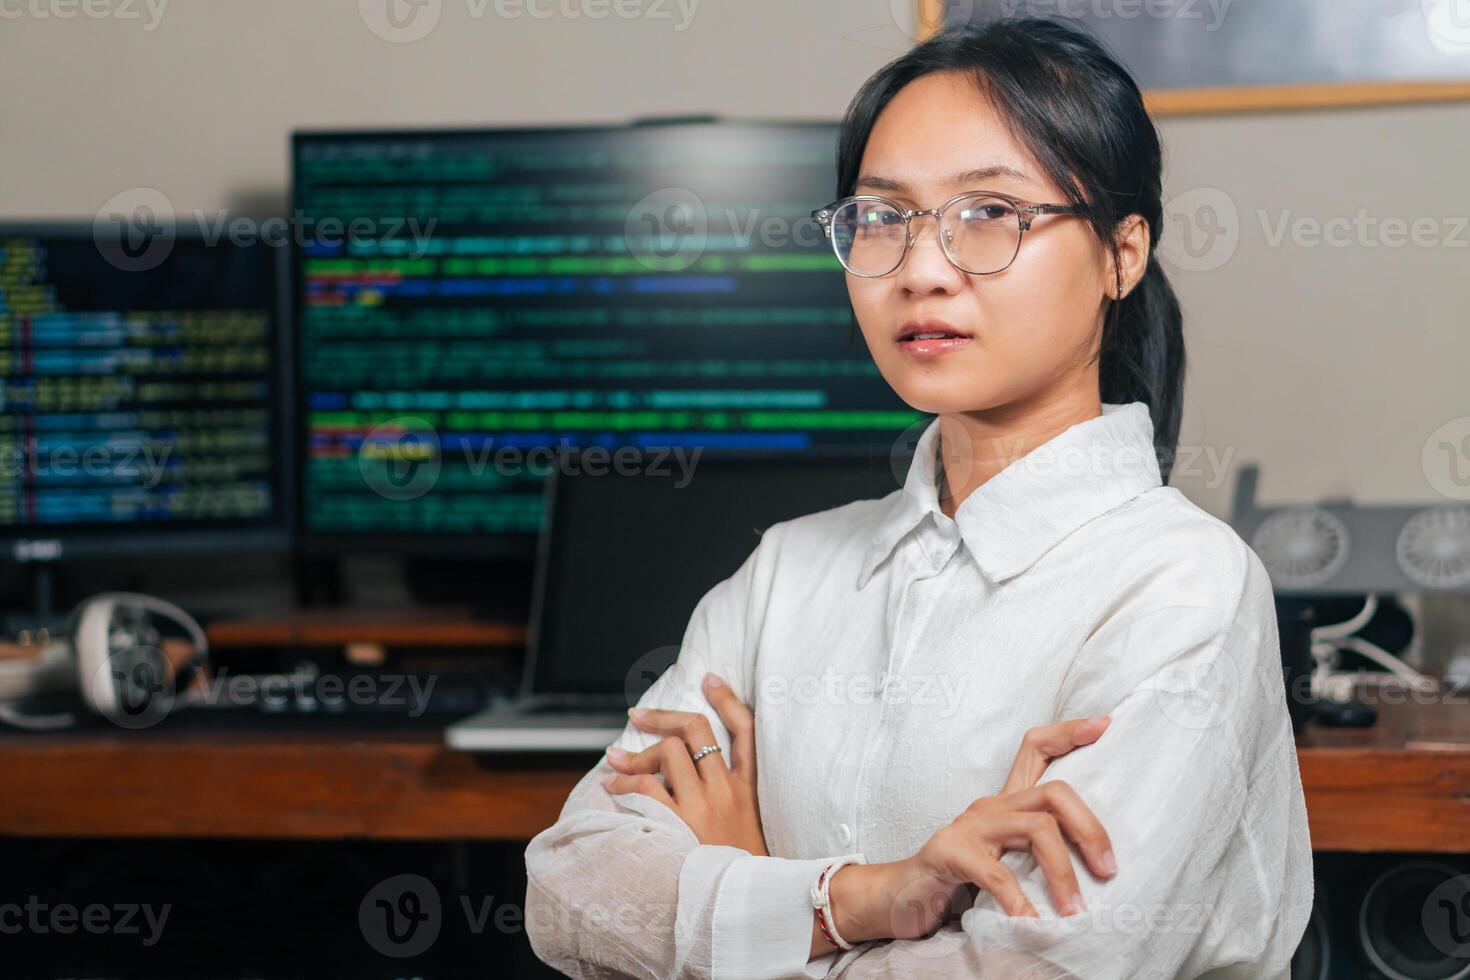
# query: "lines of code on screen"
[[135, 397], [465, 300]]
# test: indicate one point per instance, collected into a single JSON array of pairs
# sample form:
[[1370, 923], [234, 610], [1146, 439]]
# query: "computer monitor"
[[628, 555], [142, 395], [467, 301]]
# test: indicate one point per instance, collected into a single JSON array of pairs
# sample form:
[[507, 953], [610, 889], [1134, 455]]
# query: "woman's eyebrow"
[[985, 173], [881, 183]]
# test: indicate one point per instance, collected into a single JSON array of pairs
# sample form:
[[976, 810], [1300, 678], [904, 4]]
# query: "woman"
[[828, 782]]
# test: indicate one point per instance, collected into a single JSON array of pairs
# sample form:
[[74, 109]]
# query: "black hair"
[[1082, 117]]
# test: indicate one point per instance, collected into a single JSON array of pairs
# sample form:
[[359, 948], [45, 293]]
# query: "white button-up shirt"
[[894, 658]]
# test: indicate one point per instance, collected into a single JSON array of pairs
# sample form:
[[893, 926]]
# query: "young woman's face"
[[1020, 333]]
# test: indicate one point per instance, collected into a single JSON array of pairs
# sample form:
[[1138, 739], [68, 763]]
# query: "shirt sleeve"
[[1195, 780], [620, 886]]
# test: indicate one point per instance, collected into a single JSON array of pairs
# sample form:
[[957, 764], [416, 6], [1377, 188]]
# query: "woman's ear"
[[1130, 260]]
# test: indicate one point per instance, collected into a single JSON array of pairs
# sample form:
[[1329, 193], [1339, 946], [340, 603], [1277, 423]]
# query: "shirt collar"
[[1019, 514]]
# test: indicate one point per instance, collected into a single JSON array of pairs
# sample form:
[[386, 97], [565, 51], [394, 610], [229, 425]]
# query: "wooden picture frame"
[[1264, 98]]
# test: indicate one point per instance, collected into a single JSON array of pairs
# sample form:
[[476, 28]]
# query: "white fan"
[[1434, 547], [1302, 547]]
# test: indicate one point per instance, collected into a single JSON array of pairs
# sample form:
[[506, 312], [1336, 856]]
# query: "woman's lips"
[[932, 347], [930, 339]]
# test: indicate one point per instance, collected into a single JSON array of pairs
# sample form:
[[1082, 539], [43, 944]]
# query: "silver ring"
[[705, 751]]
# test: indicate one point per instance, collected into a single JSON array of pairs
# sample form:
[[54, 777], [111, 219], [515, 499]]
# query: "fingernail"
[[636, 714], [607, 781], [617, 755], [1097, 719], [1075, 906], [1109, 863], [712, 680]]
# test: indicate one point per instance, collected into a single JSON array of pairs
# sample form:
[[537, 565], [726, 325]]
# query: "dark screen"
[[629, 557]]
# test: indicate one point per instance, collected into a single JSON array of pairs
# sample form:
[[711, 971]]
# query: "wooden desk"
[[1403, 785]]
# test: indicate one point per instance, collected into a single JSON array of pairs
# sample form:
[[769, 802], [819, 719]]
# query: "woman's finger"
[[1040, 833], [1077, 821], [691, 726], [642, 783], [740, 722], [668, 756], [1041, 745], [975, 865]]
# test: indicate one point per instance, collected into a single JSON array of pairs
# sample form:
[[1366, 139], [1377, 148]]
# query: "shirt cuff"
[[763, 919]]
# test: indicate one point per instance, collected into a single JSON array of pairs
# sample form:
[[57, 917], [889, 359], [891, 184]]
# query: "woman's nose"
[[927, 268]]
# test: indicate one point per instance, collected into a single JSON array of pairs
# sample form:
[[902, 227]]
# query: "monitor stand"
[[43, 619], [494, 589]]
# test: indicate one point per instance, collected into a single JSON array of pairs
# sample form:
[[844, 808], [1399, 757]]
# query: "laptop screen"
[[627, 557]]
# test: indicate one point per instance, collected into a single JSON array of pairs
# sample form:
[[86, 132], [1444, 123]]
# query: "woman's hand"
[[716, 800], [909, 899]]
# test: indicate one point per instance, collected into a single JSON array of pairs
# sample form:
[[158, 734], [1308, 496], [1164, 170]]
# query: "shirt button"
[[844, 833]]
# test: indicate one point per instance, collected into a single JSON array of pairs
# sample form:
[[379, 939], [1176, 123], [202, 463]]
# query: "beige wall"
[[1331, 365]]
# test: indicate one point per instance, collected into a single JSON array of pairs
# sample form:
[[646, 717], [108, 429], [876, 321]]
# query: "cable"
[[1336, 631], [1422, 683]]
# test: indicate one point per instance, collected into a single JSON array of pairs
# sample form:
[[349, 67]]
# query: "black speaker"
[[1388, 917]]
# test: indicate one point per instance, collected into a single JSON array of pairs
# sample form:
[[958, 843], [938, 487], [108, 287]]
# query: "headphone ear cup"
[[124, 676], [92, 642]]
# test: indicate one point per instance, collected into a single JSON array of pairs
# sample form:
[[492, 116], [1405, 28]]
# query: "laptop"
[[623, 560]]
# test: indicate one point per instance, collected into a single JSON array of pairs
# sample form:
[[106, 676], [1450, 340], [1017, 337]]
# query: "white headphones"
[[113, 652]]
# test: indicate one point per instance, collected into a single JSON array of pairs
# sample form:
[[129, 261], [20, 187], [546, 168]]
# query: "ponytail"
[[1141, 357]]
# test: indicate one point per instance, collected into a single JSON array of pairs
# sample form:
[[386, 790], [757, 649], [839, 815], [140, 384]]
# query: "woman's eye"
[[878, 220], [984, 212]]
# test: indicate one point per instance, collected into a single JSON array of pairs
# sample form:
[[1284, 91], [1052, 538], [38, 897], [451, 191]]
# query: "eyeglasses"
[[979, 230]]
